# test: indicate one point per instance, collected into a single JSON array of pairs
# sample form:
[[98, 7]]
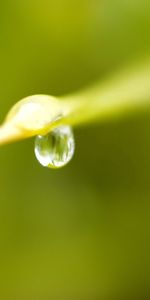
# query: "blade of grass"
[[126, 91]]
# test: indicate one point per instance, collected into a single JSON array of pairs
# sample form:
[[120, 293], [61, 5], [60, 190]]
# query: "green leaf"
[[126, 91]]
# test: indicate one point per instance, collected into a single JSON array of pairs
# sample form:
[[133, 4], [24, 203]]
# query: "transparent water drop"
[[55, 149]]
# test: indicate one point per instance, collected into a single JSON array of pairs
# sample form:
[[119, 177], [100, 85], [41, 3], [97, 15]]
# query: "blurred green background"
[[81, 232]]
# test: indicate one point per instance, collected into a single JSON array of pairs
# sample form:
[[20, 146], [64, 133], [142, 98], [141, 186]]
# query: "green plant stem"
[[124, 92]]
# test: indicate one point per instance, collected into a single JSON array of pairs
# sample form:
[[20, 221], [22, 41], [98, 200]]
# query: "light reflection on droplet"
[[55, 149]]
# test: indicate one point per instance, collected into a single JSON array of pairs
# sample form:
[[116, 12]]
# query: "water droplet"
[[55, 149]]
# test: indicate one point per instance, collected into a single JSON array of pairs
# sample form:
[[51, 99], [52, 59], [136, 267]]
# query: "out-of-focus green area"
[[81, 232]]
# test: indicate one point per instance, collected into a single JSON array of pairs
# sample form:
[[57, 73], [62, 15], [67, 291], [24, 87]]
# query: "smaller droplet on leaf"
[[55, 149]]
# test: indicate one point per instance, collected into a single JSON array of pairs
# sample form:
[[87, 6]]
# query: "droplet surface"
[[55, 149]]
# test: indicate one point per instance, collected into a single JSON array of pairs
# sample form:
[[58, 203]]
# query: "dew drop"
[[55, 149]]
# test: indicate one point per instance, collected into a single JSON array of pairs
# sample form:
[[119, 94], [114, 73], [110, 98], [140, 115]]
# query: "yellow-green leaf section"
[[125, 91]]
